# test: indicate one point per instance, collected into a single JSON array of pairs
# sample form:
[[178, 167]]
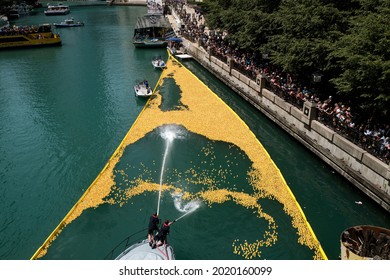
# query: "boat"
[[55, 10], [136, 247], [365, 242], [28, 36], [70, 22], [177, 49], [13, 14], [143, 251], [4, 23], [19, 10], [153, 29], [143, 89], [159, 63]]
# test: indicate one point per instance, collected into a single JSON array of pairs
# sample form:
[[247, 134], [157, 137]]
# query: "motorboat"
[[70, 22], [159, 63], [55, 10], [143, 251], [177, 49], [28, 36], [143, 89]]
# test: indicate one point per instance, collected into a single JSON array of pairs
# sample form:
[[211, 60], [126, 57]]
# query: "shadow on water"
[[171, 95]]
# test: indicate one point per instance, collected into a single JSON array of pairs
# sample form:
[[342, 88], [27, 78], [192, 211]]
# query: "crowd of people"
[[373, 137], [18, 30]]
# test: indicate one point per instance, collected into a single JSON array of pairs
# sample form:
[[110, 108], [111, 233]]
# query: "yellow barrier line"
[[286, 185], [62, 223]]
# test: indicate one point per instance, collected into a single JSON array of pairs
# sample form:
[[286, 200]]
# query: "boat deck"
[[143, 251]]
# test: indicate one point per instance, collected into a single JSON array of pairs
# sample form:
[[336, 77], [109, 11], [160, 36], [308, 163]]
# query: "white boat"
[[4, 23], [54, 10], [70, 22], [184, 56], [143, 251], [159, 63], [143, 89]]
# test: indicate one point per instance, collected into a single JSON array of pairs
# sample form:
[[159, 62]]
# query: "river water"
[[64, 111]]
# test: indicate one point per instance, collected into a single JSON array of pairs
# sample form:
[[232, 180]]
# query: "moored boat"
[[19, 10], [55, 10], [28, 36], [153, 29], [70, 22]]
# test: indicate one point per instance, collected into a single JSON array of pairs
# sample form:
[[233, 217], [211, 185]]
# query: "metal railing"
[[124, 244]]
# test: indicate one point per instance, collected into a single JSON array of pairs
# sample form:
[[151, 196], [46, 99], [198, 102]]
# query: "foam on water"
[[186, 208]]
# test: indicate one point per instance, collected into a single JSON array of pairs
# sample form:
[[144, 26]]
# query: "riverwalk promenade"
[[128, 2], [361, 168]]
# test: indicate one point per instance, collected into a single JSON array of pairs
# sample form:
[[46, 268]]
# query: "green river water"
[[64, 111]]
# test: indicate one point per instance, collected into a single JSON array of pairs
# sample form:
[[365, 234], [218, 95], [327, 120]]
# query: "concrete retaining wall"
[[366, 172]]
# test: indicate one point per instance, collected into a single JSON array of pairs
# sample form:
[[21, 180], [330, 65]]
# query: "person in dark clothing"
[[153, 226], [161, 236]]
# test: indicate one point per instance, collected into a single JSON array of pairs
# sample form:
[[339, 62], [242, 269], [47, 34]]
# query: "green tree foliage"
[[306, 30], [348, 41], [362, 55]]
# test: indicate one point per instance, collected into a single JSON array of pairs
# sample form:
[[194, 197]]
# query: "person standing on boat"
[[161, 237], [153, 226]]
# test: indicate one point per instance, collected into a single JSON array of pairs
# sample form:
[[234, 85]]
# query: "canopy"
[[174, 39]]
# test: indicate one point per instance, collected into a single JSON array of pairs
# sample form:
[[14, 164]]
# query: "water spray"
[[168, 133], [187, 208]]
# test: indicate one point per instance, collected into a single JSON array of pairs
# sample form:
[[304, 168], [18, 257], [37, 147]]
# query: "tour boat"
[[19, 10], [142, 89], [17, 37], [55, 10], [152, 31], [70, 22]]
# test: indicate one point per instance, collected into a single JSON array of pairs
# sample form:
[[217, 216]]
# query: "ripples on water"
[[63, 111]]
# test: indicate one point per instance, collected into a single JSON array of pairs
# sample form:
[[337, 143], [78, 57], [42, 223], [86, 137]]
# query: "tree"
[[348, 41], [362, 55], [305, 31]]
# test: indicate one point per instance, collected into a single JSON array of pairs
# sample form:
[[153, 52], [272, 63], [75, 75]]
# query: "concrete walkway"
[[128, 2]]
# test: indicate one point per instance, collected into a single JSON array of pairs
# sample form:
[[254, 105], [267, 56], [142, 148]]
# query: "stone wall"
[[363, 170]]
